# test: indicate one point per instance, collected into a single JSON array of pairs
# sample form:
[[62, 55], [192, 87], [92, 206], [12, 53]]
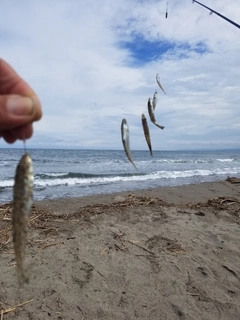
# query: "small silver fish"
[[166, 15], [151, 114], [126, 142], [159, 83], [155, 100], [22, 202], [146, 133]]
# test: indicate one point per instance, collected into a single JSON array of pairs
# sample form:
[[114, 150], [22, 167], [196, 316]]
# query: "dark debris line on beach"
[[231, 205], [233, 180], [39, 218]]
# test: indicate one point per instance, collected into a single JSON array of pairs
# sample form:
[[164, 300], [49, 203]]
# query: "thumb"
[[15, 111]]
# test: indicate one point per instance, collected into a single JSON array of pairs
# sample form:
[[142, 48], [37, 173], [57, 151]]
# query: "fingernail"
[[20, 106]]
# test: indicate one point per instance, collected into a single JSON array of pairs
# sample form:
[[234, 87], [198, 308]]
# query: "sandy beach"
[[166, 253]]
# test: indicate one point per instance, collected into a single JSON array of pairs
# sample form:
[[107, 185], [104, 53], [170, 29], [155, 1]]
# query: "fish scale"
[[126, 142], [22, 202], [151, 114], [146, 133]]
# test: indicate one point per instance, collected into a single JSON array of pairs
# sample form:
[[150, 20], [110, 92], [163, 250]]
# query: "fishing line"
[[219, 20], [24, 146], [211, 13], [24, 142]]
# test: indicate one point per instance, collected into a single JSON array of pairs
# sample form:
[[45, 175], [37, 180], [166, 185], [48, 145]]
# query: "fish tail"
[[135, 166], [131, 160], [19, 243], [161, 127], [21, 274]]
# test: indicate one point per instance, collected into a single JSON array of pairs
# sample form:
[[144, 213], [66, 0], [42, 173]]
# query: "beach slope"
[[167, 253]]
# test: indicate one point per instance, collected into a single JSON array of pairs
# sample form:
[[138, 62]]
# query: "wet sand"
[[166, 253]]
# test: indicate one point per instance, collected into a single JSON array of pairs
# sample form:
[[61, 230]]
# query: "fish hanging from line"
[[155, 100], [22, 202], [146, 133], [166, 15], [151, 114], [159, 83], [126, 141]]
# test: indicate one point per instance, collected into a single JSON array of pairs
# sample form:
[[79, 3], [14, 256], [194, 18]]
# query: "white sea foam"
[[6, 183], [225, 160], [177, 161], [94, 171], [57, 174], [152, 176]]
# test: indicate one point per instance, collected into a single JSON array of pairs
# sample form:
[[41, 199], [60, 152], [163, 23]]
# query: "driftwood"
[[4, 311], [233, 180]]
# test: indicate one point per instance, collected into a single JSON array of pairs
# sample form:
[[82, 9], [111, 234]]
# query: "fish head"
[[26, 164], [150, 104], [125, 130], [124, 122]]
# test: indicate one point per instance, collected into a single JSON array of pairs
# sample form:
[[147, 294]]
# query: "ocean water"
[[71, 173]]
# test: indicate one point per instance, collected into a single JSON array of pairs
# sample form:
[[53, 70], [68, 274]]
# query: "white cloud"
[[70, 53]]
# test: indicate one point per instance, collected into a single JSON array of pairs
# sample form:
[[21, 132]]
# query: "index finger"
[[12, 83]]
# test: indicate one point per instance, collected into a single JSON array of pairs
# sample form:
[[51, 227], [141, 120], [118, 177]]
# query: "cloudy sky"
[[93, 63]]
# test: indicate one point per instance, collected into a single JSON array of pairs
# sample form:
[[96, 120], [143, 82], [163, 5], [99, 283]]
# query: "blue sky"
[[93, 63], [144, 51]]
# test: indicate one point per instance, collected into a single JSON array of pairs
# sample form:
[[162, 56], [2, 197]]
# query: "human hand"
[[19, 105]]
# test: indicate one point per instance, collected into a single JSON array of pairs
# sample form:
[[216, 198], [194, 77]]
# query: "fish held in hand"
[[146, 133], [159, 83], [155, 100], [126, 141], [22, 202], [151, 114]]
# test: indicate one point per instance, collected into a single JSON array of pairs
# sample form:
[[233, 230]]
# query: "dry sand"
[[167, 253]]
